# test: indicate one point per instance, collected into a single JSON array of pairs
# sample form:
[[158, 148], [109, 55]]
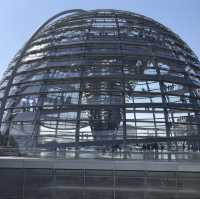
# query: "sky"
[[20, 18]]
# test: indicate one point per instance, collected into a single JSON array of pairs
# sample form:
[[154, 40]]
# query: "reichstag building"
[[101, 104]]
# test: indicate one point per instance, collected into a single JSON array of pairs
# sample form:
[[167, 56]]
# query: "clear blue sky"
[[20, 18]]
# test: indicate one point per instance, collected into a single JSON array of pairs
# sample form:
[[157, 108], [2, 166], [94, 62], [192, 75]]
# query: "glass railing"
[[101, 153]]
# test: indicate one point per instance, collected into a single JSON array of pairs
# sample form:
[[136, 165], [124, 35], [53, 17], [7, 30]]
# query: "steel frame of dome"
[[101, 77]]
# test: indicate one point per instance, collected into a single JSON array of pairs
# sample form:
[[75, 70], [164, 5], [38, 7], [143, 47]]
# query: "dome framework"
[[101, 77]]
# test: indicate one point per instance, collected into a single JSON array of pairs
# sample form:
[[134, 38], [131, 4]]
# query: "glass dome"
[[101, 77]]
